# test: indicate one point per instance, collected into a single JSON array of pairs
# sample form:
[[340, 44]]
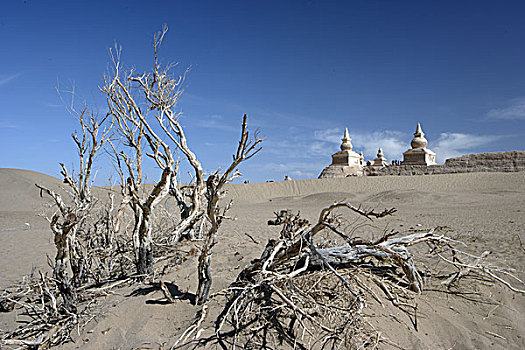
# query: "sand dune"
[[18, 191], [22, 246], [363, 185], [483, 209]]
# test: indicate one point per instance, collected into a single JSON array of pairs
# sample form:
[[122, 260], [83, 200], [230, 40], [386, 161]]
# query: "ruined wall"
[[334, 171], [482, 162], [504, 160]]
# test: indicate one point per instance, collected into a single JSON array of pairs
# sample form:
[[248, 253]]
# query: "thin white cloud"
[[320, 149], [4, 79], [268, 118], [296, 169], [451, 144], [303, 174], [296, 146], [258, 117], [6, 124], [333, 135], [393, 143], [217, 122], [54, 105], [514, 110]]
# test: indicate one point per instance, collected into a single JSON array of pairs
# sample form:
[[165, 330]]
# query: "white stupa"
[[419, 154], [345, 162], [380, 161]]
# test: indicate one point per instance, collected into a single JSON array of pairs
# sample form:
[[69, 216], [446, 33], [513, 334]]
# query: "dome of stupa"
[[419, 140]]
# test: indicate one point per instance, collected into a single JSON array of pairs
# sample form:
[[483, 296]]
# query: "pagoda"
[[419, 154], [345, 162], [380, 161]]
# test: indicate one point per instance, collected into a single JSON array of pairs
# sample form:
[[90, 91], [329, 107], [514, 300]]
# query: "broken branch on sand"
[[298, 284]]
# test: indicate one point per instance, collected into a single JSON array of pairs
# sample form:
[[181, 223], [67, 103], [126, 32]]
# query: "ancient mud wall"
[[482, 162]]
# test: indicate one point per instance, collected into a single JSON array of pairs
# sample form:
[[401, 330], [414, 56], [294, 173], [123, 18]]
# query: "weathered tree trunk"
[[137, 214], [145, 248], [78, 264], [204, 267], [145, 242], [66, 290], [61, 261], [184, 208], [205, 279]]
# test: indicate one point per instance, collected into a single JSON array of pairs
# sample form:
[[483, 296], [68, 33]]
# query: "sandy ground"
[[485, 210]]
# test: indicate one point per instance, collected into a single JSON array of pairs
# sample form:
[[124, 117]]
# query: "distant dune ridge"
[[18, 191], [480, 208]]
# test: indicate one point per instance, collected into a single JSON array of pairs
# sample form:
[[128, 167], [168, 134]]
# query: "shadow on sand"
[[174, 290]]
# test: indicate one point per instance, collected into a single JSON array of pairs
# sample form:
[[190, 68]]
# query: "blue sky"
[[301, 70]]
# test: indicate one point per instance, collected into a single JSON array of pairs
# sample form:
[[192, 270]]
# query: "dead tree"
[[144, 109], [214, 192], [140, 105], [71, 214]]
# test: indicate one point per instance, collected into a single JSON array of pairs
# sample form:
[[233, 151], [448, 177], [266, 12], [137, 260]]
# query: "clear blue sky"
[[301, 70]]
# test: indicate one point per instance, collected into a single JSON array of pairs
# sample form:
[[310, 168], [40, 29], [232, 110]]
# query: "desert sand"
[[484, 210]]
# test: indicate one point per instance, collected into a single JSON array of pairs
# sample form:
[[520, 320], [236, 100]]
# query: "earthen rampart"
[[482, 162]]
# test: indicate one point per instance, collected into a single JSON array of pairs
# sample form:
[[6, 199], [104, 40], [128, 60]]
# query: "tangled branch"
[[307, 293]]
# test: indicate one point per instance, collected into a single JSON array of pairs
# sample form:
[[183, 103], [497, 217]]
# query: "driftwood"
[[307, 293], [45, 322]]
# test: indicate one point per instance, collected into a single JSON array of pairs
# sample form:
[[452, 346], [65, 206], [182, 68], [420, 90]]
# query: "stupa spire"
[[419, 140], [419, 131], [346, 145], [346, 136]]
